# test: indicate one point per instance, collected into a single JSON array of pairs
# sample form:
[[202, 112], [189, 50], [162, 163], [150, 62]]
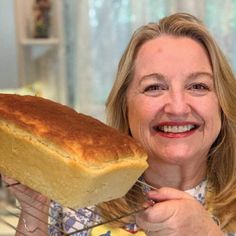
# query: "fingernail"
[[10, 185]]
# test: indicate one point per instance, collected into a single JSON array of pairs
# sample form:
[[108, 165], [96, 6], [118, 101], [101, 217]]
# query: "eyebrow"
[[193, 75], [154, 76], [198, 74]]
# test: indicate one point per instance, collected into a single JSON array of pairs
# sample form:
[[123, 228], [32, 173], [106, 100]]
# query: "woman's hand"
[[176, 213], [27, 197], [34, 208]]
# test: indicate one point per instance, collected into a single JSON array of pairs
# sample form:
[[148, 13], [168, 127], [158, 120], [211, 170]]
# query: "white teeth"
[[175, 128]]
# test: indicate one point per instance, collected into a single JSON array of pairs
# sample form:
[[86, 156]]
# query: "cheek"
[[134, 117], [216, 122], [213, 119], [139, 116]]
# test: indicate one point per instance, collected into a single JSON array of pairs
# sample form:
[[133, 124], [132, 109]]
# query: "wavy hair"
[[221, 169]]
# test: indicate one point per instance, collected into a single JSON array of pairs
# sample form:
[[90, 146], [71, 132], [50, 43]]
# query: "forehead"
[[172, 54], [165, 42]]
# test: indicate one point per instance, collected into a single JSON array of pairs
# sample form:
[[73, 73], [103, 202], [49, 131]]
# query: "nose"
[[177, 104]]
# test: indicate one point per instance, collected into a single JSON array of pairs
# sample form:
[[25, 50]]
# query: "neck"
[[179, 176]]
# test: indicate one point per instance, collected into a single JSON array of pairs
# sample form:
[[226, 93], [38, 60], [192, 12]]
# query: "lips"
[[173, 128]]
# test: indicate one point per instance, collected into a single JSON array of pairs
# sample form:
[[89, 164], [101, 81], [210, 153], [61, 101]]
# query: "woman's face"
[[172, 105]]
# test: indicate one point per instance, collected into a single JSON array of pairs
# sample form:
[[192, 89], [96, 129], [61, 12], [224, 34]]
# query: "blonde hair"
[[221, 197]]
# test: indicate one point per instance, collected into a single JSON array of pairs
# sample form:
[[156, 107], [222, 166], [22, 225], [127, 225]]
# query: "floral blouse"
[[71, 221]]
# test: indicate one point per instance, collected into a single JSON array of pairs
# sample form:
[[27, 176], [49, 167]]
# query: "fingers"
[[159, 212], [19, 190], [158, 217], [148, 226], [9, 182], [167, 203], [166, 193]]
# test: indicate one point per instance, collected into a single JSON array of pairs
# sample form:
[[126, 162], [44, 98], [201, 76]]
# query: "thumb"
[[8, 181], [156, 216], [166, 193]]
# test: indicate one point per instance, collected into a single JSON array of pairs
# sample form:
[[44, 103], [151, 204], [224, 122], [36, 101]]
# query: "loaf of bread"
[[70, 157]]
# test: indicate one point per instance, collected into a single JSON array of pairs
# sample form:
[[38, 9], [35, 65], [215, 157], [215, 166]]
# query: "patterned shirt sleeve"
[[55, 219], [64, 220]]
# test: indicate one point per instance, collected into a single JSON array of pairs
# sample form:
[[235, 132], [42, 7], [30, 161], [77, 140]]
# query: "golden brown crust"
[[69, 157], [72, 131]]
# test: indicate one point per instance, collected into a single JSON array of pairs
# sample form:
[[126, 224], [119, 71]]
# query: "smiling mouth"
[[175, 128]]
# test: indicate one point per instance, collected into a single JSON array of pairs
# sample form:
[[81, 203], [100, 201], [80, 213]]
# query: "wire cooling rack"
[[10, 209]]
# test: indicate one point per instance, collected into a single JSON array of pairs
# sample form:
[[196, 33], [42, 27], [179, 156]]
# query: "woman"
[[175, 93]]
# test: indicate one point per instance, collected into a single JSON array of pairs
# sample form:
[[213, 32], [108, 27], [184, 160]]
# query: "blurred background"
[[68, 50]]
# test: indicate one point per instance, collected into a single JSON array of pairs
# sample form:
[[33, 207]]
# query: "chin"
[[176, 158]]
